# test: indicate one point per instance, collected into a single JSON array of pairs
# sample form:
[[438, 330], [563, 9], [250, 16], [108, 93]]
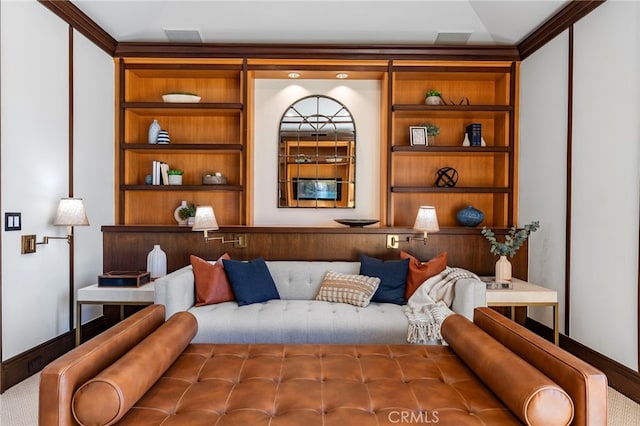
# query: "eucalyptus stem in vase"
[[513, 241]]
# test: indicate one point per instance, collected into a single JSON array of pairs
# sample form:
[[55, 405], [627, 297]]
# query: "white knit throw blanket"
[[429, 305]]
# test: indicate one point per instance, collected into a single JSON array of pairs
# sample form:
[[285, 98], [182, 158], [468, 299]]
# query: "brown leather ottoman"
[[163, 380]]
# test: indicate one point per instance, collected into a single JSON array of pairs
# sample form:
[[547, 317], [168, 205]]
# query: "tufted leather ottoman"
[[145, 371], [305, 385]]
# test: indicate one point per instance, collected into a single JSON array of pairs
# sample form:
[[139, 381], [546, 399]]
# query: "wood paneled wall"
[[126, 247]]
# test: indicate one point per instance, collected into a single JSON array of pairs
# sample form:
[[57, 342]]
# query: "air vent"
[[183, 35], [452, 38]]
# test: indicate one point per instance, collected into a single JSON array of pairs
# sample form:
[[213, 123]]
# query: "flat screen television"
[[329, 189]]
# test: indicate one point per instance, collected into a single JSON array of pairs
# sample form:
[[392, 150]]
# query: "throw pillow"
[[212, 285], [347, 288], [419, 271], [250, 281], [393, 278]]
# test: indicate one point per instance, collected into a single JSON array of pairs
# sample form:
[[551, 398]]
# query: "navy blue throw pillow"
[[393, 278], [250, 281]]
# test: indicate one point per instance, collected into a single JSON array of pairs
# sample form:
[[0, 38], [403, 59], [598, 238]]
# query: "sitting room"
[[306, 212]]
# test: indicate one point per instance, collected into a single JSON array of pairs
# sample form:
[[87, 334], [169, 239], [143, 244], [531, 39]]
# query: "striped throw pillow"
[[353, 289]]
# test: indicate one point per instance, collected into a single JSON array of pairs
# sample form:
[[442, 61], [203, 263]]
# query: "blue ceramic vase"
[[470, 216]]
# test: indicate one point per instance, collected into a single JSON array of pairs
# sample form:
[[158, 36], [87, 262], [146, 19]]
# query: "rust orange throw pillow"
[[419, 271], [212, 285]]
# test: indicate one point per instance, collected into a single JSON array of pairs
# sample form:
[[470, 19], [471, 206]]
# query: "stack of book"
[[159, 173]]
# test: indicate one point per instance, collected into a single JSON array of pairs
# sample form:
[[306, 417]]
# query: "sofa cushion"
[[301, 321], [419, 271], [107, 397], [353, 289], [211, 282], [393, 278], [251, 281]]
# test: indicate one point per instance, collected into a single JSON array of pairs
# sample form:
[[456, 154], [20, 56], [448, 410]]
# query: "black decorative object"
[[446, 177], [474, 131], [357, 223], [470, 216]]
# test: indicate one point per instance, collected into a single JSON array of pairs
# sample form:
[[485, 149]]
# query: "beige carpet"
[[19, 406]]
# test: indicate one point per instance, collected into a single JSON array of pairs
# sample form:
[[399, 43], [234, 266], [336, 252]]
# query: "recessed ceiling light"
[[342, 75], [293, 75]]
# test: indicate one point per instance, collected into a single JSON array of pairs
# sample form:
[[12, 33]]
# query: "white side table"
[[525, 293], [95, 295]]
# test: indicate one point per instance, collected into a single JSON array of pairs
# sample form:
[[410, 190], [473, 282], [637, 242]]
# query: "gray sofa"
[[296, 317]]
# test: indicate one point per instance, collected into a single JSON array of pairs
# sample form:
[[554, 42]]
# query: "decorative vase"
[[154, 128], [431, 139], [466, 141], [470, 216], [157, 262], [176, 213], [163, 137], [503, 270]]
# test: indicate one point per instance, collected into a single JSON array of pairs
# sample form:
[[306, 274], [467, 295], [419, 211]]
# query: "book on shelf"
[[474, 131], [159, 173]]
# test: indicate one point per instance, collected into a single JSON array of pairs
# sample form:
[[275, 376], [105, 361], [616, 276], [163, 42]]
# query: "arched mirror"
[[317, 155]]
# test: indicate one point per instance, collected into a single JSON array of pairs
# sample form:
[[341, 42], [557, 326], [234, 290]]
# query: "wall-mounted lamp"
[[426, 221], [205, 220], [70, 213]]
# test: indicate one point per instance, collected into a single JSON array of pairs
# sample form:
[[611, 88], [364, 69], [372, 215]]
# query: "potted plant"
[[175, 177], [433, 97], [513, 241], [432, 131], [187, 213]]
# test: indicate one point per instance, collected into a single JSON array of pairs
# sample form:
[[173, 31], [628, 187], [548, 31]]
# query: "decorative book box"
[[123, 279]]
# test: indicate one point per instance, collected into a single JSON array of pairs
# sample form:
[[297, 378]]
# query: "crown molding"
[[565, 18], [79, 21], [314, 51]]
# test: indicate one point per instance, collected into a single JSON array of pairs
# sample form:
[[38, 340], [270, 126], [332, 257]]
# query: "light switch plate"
[[12, 221]]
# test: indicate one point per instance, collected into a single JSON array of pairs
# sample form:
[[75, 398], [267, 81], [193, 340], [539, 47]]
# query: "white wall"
[[542, 166], [34, 150], [605, 175], [606, 141], [362, 98], [94, 162]]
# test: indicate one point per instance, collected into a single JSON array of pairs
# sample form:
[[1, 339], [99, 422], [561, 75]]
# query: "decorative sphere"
[[470, 216], [446, 177]]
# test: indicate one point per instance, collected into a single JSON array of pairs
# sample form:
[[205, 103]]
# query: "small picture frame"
[[418, 135]]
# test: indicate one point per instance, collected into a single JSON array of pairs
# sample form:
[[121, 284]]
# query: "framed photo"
[[418, 135]]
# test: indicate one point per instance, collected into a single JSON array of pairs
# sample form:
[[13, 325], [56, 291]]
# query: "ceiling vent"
[[183, 35], [452, 38]]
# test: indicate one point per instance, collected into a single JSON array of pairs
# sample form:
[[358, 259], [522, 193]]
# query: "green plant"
[[175, 172], [187, 212], [432, 129], [513, 240], [433, 92]]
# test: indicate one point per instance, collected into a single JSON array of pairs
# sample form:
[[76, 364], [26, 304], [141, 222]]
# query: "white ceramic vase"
[[176, 213], [503, 270], [154, 128], [157, 262]]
